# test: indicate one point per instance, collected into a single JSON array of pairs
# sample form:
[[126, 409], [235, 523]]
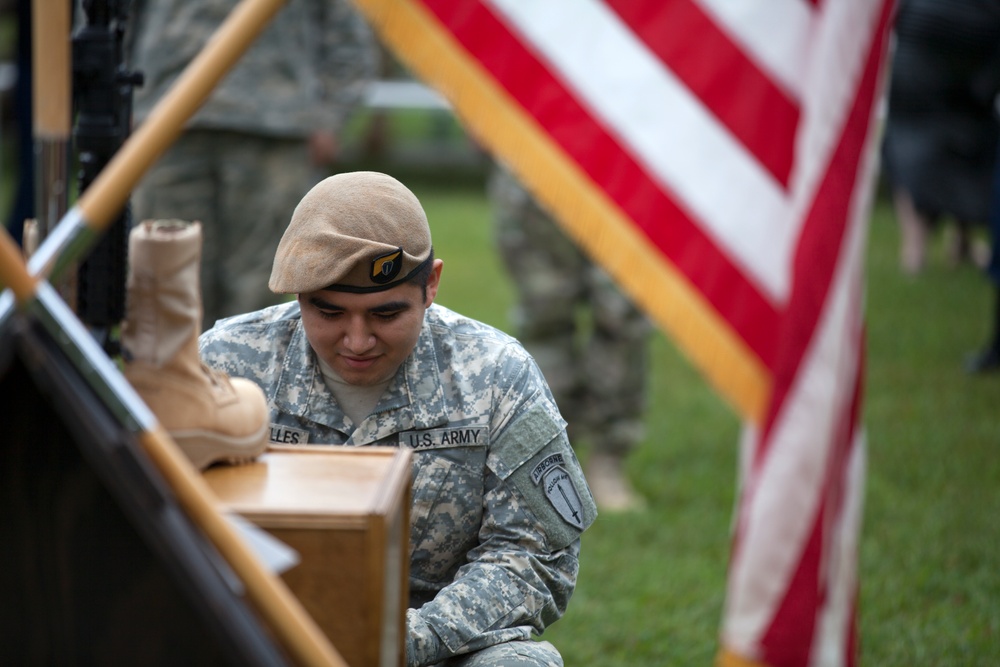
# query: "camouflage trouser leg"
[[544, 266], [511, 654], [615, 367], [590, 341], [243, 190]]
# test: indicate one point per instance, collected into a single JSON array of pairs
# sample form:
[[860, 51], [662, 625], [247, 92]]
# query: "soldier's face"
[[366, 337]]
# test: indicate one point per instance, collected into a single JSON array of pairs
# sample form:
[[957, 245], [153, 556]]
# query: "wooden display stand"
[[345, 510]]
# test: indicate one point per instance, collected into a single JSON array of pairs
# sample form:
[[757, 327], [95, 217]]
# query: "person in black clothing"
[[941, 133]]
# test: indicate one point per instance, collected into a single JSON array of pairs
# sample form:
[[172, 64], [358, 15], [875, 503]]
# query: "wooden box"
[[346, 511]]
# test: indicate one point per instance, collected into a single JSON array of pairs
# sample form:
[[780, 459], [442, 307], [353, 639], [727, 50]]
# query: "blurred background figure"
[[941, 134], [267, 134], [590, 341], [987, 360]]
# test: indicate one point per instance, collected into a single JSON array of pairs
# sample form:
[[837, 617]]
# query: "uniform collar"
[[414, 399]]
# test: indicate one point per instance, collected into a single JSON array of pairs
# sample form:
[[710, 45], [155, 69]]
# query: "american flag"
[[717, 158]]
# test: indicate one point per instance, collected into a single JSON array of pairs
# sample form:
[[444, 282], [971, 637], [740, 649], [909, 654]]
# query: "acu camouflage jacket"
[[306, 71], [499, 499]]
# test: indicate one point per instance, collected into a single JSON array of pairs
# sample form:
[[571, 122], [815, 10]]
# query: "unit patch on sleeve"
[[559, 489], [286, 435]]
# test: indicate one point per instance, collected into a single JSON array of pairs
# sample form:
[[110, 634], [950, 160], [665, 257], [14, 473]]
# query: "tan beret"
[[356, 232]]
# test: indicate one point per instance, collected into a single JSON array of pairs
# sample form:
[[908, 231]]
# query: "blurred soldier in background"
[[590, 341], [266, 135]]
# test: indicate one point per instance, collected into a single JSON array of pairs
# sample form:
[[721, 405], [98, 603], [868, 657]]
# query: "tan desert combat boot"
[[212, 417]]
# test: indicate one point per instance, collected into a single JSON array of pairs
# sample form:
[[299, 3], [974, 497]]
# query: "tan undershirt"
[[357, 401]]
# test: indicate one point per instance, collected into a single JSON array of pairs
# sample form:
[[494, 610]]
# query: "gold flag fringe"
[[583, 210], [727, 658]]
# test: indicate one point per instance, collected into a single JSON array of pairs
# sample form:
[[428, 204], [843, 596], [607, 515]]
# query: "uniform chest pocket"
[[447, 509]]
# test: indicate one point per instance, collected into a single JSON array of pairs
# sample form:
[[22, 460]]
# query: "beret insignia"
[[386, 267]]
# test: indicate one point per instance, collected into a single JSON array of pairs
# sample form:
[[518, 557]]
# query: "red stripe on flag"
[[664, 222], [759, 113]]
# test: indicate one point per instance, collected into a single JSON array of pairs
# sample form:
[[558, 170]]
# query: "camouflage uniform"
[[499, 499], [595, 361], [242, 163]]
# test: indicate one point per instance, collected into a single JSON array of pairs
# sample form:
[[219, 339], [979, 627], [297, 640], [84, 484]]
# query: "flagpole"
[[50, 59]]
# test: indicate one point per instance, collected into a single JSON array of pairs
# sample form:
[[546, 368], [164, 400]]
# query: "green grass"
[[652, 585], [931, 546]]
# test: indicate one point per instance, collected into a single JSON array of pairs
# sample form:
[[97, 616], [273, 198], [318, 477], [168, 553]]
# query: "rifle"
[[102, 94]]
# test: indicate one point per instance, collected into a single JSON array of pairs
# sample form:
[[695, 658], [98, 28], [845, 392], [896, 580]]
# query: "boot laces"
[[217, 378]]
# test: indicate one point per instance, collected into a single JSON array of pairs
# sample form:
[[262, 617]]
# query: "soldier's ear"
[[433, 282]]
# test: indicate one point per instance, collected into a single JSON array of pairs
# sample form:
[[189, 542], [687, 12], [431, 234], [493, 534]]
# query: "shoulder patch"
[[558, 486]]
